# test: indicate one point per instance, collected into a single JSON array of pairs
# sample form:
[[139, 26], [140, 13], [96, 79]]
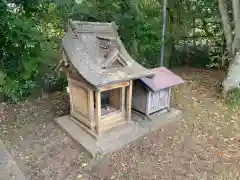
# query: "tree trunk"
[[232, 79], [236, 15]]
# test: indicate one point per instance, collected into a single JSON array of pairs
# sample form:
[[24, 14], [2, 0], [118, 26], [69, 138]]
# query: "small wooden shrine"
[[100, 73], [151, 95]]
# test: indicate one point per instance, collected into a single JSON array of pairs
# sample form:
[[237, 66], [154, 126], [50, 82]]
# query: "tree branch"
[[236, 13], [226, 25]]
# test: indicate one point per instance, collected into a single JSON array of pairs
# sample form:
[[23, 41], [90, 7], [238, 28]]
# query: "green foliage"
[[29, 45], [31, 31], [2, 78], [197, 57], [140, 24]]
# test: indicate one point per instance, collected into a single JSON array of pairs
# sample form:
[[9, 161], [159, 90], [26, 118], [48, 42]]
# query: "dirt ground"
[[204, 144]]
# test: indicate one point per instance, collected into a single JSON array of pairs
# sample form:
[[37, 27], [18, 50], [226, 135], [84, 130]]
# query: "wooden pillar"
[[98, 112], [129, 102], [91, 109], [122, 100]]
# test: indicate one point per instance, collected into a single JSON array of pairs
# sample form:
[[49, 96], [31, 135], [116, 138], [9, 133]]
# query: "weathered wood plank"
[[158, 100]]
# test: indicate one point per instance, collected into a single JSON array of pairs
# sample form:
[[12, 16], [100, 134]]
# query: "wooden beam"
[[114, 86], [98, 112], [129, 102]]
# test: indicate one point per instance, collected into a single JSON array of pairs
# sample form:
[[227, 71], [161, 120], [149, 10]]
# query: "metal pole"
[[163, 30]]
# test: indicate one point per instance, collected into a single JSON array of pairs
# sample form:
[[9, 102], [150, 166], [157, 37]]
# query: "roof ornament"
[[112, 53], [104, 43]]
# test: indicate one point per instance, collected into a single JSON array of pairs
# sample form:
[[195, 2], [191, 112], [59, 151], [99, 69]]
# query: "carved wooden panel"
[[79, 98]]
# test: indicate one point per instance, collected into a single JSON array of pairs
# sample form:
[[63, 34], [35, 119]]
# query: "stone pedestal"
[[117, 138]]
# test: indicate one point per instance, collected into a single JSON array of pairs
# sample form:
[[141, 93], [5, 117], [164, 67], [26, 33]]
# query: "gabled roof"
[[99, 56], [163, 79]]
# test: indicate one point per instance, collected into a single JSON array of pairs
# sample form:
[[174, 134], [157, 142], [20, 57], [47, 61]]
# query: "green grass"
[[234, 97]]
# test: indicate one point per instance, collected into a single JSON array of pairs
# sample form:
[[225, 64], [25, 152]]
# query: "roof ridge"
[[86, 26]]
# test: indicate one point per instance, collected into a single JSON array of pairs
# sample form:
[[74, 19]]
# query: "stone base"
[[118, 137], [8, 167]]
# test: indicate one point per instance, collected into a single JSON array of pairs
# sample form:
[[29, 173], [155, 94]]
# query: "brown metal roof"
[[163, 79], [88, 45]]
